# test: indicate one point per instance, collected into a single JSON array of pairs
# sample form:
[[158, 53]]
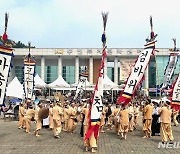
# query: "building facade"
[[68, 62]]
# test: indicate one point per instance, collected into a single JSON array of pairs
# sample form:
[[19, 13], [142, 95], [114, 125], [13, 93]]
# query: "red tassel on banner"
[[4, 37]]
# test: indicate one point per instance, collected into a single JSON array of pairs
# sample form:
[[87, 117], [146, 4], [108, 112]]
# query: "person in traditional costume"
[[82, 117], [91, 142], [131, 117], [110, 117], [56, 97], [65, 117], [155, 120], [51, 116], [103, 116], [136, 115], [57, 119], [96, 103], [85, 112], [175, 114], [25, 110], [82, 124], [72, 119], [21, 115], [30, 114], [147, 119], [38, 120], [78, 113], [124, 121], [116, 118], [165, 119]]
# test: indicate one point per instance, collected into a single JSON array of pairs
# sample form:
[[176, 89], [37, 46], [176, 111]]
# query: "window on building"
[[110, 73], [152, 73], [51, 74], [69, 74], [160, 64], [119, 76], [19, 73], [38, 70]]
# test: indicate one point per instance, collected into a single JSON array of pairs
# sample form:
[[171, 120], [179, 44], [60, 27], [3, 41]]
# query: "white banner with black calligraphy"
[[168, 73], [97, 105], [137, 73], [5, 63], [29, 71], [81, 86]]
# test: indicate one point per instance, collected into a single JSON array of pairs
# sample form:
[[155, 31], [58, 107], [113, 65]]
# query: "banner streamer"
[[6, 53], [96, 106], [97, 103], [137, 73], [171, 65], [5, 65], [80, 87], [29, 73]]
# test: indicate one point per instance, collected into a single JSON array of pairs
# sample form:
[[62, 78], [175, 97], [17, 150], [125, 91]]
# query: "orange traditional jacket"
[[124, 117], [165, 115], [57, 112], [148, 110]]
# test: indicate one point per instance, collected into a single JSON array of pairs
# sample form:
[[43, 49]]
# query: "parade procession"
[[103, 100]]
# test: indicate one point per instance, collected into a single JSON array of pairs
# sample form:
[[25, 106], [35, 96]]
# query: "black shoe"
[[58, 137]]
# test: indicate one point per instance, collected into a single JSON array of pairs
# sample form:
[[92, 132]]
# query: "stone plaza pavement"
[[15, 141]]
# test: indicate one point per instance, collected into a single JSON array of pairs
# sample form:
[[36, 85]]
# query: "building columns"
[[42, 68], [76, 69], [116, 70], [91, 70], [146, 88], [105, 66], [59, 66]]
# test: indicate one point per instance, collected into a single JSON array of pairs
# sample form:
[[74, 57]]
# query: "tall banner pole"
[[96, 104], [29, 73], [171, 65], [137, 73]]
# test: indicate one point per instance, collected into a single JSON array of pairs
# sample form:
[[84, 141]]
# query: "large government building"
[[68, 62]]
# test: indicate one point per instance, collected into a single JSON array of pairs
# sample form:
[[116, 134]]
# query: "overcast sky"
[[78, 23]]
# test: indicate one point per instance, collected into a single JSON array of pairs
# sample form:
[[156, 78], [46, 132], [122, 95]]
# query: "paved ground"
[[15, 141]]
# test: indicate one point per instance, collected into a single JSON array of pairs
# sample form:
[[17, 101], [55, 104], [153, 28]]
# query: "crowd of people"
[[64, 115]]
